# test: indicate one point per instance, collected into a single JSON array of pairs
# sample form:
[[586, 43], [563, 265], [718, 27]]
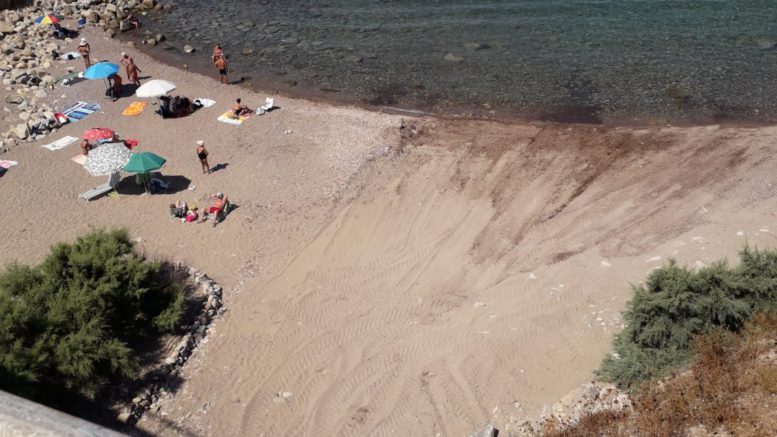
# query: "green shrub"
[[66, 324], [676, 304]]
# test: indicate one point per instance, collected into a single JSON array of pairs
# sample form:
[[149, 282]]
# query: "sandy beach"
[[416, 281]]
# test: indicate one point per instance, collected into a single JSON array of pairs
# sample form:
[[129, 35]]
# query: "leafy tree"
[[66, 323], [676, 304]]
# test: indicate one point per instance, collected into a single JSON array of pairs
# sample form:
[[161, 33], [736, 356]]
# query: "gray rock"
[[24, 116], [188, 49], [21, 131], [450, 57], [6, 28], [766, 43], [475, 46], [159, 37], [14, 99], [247, 51], [41, 94]]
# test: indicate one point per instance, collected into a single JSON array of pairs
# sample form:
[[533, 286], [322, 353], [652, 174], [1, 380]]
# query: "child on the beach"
[[221, 64]]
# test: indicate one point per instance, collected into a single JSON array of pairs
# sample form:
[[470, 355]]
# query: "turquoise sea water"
[[574, 60]]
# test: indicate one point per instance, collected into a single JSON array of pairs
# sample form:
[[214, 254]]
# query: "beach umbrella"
[[107, 159], [101, 70], [98, 133], [47, 19], [144, 162], [155, 88]]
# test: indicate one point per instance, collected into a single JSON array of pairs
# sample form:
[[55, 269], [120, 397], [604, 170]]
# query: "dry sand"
[[472, 272]]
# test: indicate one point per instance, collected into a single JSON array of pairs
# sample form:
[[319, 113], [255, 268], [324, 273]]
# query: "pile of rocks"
[[167, 371], [27, 53]]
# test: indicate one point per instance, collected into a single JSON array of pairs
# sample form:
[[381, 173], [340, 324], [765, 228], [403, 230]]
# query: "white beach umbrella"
[[106, 159], [155, 88]]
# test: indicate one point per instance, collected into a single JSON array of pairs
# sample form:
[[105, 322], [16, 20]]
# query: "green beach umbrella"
[[144, 162]]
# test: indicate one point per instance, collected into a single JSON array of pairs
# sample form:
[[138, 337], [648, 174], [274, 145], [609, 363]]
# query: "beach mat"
[[134, 109], [69, 56], [70, 79], [79, 159], [206, 103], [60, 143], [8, 164], [226, 118], [80, 110]]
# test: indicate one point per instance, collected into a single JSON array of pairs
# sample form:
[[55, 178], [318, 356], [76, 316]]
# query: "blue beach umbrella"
[[101, 70]]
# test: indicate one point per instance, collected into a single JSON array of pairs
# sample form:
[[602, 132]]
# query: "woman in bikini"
[[202, 154]]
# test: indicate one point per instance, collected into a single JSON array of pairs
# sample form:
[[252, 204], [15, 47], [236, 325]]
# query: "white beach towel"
[[71, 55], [206, 103], [60, 143]]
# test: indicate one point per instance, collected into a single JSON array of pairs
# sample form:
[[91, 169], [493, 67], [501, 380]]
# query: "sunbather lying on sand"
[[178, 209], [191, 215]]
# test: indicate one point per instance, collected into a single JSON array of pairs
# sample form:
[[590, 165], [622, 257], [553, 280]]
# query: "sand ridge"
[[471, 272]]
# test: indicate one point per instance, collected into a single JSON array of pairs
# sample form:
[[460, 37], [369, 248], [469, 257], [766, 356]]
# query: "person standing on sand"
[[221, 64], [202, 154], [130, 68], [217, 53], [84, 50]]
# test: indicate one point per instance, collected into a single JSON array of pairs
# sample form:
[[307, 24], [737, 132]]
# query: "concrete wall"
[[20, 417]]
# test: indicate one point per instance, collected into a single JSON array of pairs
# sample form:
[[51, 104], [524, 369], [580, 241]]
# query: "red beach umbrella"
[[98, 133]]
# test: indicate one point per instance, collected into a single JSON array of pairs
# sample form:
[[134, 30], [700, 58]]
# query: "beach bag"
[[61, 118]]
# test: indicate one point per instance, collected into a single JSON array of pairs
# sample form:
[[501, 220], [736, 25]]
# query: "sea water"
[[694, 61]]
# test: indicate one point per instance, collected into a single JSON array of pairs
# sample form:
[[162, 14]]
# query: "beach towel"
[[80, 110], [8, 164], [71, 79], [131, 144], [206, 103], [71, 55], [60, 143], [229, 119], [79, 159], [134, 109]]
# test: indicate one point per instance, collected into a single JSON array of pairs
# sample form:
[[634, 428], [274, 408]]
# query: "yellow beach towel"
[[228, 118], [134, 109]]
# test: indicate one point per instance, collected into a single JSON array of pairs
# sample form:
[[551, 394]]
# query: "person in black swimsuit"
[[202, 154]]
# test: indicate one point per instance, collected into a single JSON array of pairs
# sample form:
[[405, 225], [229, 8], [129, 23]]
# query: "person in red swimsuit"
[[219, 202]]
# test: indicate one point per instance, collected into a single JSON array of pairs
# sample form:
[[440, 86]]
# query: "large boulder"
[[21, 131], [5, 27]]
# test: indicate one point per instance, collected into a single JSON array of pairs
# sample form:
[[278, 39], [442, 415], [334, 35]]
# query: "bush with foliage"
[[676, 304], [65, 324]]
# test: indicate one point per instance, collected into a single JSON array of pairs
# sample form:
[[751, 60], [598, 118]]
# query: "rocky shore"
[[28, 53]]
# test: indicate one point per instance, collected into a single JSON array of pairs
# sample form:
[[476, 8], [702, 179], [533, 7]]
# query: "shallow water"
[[572, 60]]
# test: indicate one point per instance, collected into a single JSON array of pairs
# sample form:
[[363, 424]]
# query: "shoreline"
[[585, 115], [194, 62]]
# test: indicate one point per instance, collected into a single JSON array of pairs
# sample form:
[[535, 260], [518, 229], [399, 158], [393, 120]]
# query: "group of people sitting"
[[182, 211], [174, 107], [187, 214]]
